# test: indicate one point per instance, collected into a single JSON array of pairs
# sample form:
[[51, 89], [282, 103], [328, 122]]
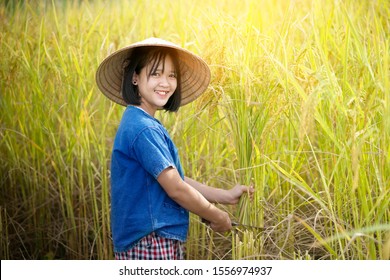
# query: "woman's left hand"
[[237, 191]]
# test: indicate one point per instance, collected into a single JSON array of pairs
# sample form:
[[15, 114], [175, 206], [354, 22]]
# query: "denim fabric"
[[139, 205]]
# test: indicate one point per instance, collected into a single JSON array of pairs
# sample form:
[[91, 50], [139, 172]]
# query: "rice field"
[[298, 106]]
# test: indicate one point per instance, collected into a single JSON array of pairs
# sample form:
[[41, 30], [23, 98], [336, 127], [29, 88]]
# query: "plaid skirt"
[[154, 247]]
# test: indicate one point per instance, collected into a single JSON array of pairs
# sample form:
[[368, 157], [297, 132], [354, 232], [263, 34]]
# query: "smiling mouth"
[[161, 92]]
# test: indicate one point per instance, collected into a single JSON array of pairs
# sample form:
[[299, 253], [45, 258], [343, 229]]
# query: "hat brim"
[[195, 73]]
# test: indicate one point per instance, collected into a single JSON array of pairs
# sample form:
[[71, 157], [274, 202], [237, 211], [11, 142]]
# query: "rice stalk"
[[298, 106]]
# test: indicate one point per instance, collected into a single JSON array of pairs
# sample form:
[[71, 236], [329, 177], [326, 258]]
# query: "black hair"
[[139, 58]]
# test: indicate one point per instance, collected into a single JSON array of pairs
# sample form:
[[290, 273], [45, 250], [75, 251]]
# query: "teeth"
[[162, 92]]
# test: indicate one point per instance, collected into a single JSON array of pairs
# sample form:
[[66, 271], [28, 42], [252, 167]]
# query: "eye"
[[173, 75]]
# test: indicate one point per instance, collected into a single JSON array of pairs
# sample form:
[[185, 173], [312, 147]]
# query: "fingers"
[[217, 226], [251, 191], [248, 190], [221, 227], [223, 224]]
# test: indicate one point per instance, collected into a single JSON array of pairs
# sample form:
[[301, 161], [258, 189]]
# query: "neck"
[[148, 110]]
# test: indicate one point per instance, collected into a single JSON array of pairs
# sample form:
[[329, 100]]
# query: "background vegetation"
[[298, 106]]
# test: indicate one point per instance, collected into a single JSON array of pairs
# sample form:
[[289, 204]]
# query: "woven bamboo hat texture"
[[195, 73]]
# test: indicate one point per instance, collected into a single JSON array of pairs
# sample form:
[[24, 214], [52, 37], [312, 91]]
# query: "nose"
[[164, 81]]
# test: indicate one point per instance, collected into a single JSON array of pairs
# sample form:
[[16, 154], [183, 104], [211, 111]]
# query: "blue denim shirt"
[[139, 205]]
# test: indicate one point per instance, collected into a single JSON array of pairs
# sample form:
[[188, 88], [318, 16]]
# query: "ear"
[[135, 79]]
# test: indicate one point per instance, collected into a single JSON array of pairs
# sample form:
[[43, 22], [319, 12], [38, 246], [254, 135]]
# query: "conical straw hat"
[[195, 73]]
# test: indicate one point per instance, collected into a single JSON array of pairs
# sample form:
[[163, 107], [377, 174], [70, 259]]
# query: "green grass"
[[298, 106]]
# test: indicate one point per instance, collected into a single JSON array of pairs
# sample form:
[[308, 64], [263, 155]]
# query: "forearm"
[[188, 197], [213, 195]]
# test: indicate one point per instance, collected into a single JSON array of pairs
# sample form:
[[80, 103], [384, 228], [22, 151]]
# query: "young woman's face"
[[156, 89]]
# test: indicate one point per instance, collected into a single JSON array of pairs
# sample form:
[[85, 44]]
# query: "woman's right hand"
[[222, 224]]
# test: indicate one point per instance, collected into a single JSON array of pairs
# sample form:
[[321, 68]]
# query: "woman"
[[150, 196]]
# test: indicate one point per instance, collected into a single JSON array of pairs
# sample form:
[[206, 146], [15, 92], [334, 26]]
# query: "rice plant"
[[298, 107]]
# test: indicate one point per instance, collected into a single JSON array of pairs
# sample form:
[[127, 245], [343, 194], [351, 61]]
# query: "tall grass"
[[298, 106]]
